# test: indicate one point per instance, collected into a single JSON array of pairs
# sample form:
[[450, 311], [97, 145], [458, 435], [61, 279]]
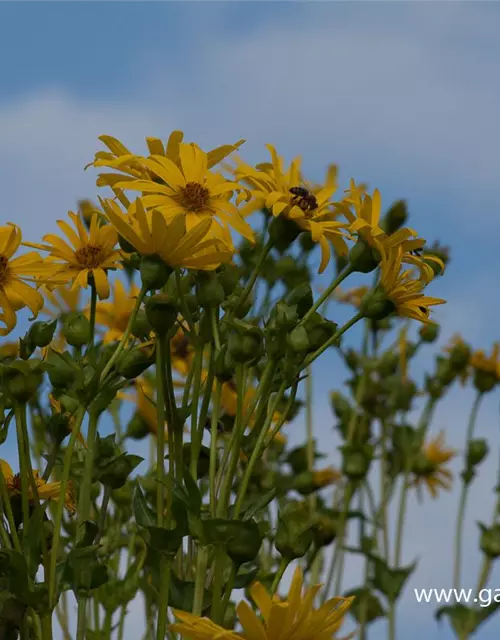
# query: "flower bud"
[[422, 466], [125, 245], [154, 272], [283, 317], [477, 450], [203, 463], [76, 329], [233, 303], [294, 534], [340, 405], [209, 291], [429, 332], [298, 340], [161, 313], [406, 439], [245, 544], [21, 385], [446, 372], [363, 257], [325, 528], [224, 366], [123, 496], [297, 459], [395, 217], [283, 233], [41, 333], [375, 305], [229, 277], [302, 297], [306, 242], [460, 356], [141, 328], [356, 460], [309, 481], [245, 346], [319, 331], [490, 540], [434, 387], [484, 381], [134, 362]]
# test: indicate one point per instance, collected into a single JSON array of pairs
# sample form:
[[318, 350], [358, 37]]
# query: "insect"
[[303, 199], [417, 252]]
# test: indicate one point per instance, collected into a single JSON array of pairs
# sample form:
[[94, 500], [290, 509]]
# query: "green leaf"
[[466, 620], [144, 515], [366, 606], [253, 506], [87, 531], [389, 581], [181, 595], [246, 575]]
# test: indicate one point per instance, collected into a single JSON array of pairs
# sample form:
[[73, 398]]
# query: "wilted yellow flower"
[[291, 619], [115, 314], [429, 469], [285, 193], [89, 254], [150, 234], [46, 490], [404, 292], [15, 293]]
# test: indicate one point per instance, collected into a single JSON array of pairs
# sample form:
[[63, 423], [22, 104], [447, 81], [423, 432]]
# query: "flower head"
[[487, 364], [15, 273], [284, 193], [61, 300], [429, 468], [291, 619], [45, 490], [404, 292], [352, 296], [151, 235], [89, 254]]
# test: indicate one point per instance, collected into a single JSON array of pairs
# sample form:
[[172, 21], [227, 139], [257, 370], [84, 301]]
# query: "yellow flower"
[[292, 619], [150, 234], [487, 364], [90, 253], [15, 293], [182, 353], [115, 314], [283, 192], [325, 477], [9, 350], [143, 398], [429, 469], [364, 211], [46, 490], [404, 292]]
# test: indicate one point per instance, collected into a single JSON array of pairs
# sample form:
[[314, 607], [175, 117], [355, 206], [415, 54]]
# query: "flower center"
[[194, 196], [4, 269], [89, 257]]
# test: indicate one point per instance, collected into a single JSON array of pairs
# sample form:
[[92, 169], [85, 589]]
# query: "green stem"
[[126, 334], [166, 571], [93, 306], [217, 585], [213, 446], [279, 574], [250, 284], [199, 586], [23, 470], [328, 292], [160, 430], [464, 494], [60, 504], [195, 438]]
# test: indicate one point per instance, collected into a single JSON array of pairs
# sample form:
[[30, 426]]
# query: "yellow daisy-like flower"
[[487, 364], [89, 254], [364, 215], [9, 350], [292, 619], [429, 471], [151, 235], [143, 398], [283, 192], [115, 314], [46, 490], [326, 477], [402, 291], [15, 293], [192, 190]]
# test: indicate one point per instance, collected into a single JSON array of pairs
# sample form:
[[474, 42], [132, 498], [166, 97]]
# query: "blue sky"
[[403, 96]]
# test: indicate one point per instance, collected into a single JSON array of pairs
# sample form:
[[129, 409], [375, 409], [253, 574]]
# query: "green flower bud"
[[224, 366], [376, 305], [41, 333], [203, 463], [76, 329], [22, 386], [341, 263], [134, 362], [388, 364], [116, 473], [297, 459], [422, 466], [352, 360], [302, 297], [137, 428], [154, 272], [395, 218], [294, 534], [141, 328], [244, 545], [229, 277], [58, 427], [363, 257], [283, 317], [245, 346], [477, 450], [234, 304], [161, 313], [283, 233], [325, 528], [434, 387], [405, 439], [340, 405], [490, 540], [209, 291], [356, 460], [484, 381], [429, 332], [319, 330], [460, 356], [298, 340], [446, 372]]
